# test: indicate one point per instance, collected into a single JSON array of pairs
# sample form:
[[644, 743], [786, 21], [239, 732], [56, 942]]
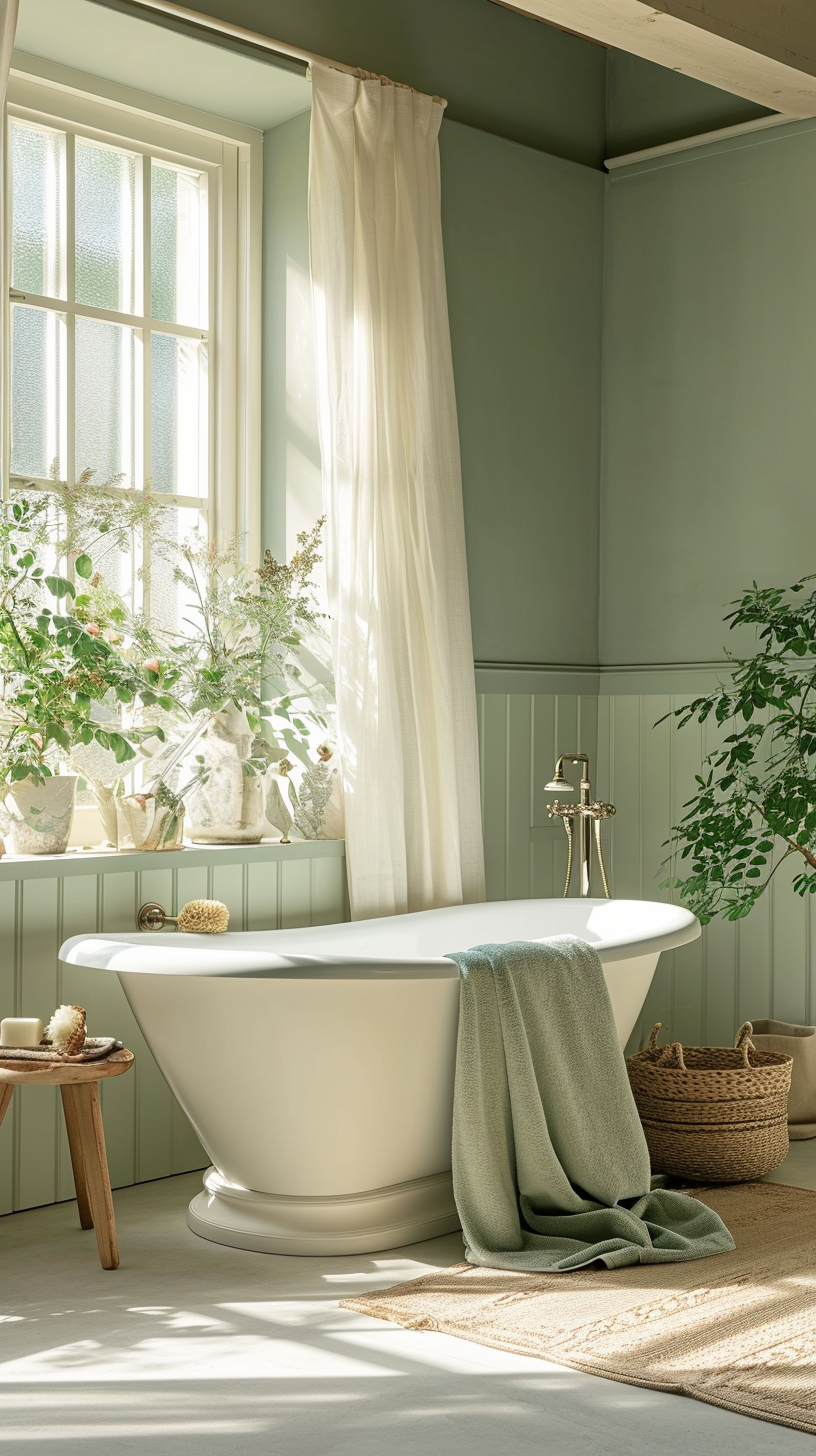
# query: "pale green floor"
[[197, 1350], [799, 1166]]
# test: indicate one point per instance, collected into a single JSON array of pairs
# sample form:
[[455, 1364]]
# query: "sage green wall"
[[709, 381], [649, 105], [707, 484], [523, 236]]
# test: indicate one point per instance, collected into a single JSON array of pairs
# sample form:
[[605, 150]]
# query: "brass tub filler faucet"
[[586, 810]]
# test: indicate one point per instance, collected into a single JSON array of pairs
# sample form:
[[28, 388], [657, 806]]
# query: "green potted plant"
[[239, 672], [754, 806], [58, 667], [242, 682]]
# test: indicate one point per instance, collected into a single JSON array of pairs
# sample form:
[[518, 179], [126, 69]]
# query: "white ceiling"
[[137, 53]]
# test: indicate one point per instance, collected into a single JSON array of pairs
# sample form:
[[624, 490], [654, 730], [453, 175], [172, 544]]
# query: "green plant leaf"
[[60, 586], [122, 750]]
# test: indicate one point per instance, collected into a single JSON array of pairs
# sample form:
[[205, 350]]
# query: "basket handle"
[[744, 1044], [672, 1055]]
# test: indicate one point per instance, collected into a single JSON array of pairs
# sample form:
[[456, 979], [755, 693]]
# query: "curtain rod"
[[195, 20]]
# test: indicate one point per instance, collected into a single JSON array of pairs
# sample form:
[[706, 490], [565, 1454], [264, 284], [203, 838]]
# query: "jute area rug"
[[737, 1330]]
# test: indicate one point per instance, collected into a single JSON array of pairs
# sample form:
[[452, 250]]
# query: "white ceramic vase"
[[41, 813], [227, 807]]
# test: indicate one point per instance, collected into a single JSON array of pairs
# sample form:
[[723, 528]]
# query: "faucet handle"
[[599, 810]]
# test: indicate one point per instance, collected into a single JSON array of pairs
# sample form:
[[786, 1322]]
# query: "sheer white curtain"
[[393, 494], [8, 25]]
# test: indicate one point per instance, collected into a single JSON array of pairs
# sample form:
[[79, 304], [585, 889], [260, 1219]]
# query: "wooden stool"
[[77, 1082]]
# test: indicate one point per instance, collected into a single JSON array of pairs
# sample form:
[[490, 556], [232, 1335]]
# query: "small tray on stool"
[[78, 1084]]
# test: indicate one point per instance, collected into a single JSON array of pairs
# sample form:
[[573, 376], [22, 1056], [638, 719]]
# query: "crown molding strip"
[[754, 135], [703, 139], [637, 678]]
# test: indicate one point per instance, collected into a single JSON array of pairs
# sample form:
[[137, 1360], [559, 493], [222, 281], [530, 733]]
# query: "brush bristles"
[[204, 917], [66, 1030]]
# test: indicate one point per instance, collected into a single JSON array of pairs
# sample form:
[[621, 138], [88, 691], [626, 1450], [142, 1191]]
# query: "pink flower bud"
[[151, 665], [94, 629]]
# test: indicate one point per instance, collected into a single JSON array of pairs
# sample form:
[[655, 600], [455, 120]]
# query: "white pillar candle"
[[21, 1031]]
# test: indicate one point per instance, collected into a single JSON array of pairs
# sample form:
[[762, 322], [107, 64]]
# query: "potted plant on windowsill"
[[242, 681], [57, 666], [238, 671]]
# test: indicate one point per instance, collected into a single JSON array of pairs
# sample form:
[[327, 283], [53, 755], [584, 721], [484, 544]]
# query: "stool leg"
[[6, 1089], [84, 1097], [77, 1161]]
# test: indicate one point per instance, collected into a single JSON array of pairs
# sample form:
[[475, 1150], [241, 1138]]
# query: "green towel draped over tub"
[[550, 1165]]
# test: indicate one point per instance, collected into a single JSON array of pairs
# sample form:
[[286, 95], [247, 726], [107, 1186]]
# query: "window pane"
[[107, 398], [37, 392], [38, 211], [171, 603], [118, 567], [178, 415], [106, 228], [178, 230]]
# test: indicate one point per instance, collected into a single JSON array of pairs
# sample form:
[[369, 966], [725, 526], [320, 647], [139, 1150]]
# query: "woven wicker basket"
[[712, 1114]]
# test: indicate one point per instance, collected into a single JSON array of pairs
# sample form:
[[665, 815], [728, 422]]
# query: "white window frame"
[[232, 157]]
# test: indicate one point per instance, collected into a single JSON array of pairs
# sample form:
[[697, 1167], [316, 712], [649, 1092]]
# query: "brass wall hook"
[[153, 917]]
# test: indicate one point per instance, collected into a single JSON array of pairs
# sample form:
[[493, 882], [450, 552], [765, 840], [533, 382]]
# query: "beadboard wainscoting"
[[762, 966], [45, 900], [520, 736]]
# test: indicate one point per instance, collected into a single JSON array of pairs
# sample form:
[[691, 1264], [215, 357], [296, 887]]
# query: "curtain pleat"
[[396, 565]]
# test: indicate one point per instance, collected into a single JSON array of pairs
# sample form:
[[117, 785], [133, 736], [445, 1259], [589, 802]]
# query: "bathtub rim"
[[230, 955]]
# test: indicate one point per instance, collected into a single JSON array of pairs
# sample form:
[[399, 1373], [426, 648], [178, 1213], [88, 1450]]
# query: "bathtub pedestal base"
[[357, 1223]]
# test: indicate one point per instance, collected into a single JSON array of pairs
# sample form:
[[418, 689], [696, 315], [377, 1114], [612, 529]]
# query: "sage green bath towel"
[[550, 1165]]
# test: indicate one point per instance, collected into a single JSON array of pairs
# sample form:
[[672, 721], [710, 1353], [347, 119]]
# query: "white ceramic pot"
[[228, 807], [41, 814]]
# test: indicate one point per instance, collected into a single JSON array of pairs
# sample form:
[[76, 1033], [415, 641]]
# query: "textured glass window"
[[38, 210], [38, 362], [179, 415], [109, 346], [108, 372], [171, 602], [106, 251], [178, 246]]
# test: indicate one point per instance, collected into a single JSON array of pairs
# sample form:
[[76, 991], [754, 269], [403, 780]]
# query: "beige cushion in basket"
[[798, 1042]]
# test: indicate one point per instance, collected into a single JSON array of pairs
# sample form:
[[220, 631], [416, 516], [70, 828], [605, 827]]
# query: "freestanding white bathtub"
[[317, 1065]]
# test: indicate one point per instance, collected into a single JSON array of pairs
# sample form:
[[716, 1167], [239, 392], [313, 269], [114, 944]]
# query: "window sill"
[[112, 861]]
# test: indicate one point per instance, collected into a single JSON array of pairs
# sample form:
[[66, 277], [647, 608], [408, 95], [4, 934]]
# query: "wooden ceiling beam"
[[764, 50]]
